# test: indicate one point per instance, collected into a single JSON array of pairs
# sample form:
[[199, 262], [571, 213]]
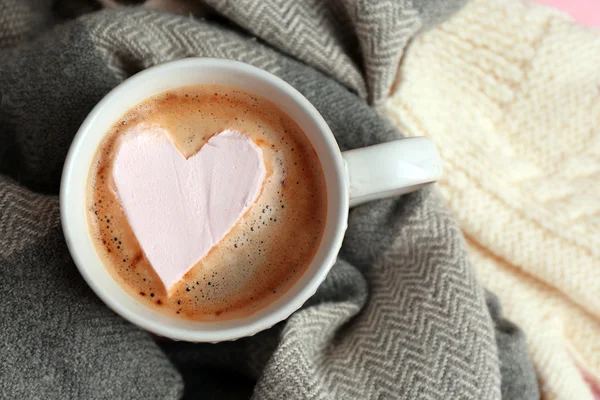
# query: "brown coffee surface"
[[271, 245]]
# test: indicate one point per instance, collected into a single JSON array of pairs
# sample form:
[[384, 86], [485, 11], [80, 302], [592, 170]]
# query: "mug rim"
[[278, 314]]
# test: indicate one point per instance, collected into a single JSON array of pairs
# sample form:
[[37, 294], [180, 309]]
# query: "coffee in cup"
[[216, 143], [351, 178]]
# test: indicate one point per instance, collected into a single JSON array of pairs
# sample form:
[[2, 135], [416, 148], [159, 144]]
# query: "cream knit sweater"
[[510, 91]]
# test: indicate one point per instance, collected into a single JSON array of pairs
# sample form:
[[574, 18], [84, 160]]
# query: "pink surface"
[[585, 12], [179, 209], [592, 382]]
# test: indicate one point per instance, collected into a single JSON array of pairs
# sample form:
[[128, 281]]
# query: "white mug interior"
[[195, 71]]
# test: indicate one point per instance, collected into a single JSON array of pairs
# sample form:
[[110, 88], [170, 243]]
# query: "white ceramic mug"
[[352, 177]]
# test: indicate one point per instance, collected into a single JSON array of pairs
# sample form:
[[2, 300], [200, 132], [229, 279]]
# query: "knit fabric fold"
[[510, 91]]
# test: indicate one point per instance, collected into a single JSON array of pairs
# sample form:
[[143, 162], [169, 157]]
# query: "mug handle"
[[391, 169]]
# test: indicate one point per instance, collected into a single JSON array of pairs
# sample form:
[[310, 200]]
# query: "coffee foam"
[[270, 247]]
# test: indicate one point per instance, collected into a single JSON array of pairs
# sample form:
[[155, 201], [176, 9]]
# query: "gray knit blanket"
[[400, 316]]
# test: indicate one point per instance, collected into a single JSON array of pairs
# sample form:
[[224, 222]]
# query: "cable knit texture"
[[510, 91]]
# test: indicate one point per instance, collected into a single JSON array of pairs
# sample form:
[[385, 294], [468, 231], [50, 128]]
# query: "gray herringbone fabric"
[[400, 316], [358, 42]]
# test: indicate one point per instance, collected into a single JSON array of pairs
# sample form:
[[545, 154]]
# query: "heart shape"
[[180, 208]]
